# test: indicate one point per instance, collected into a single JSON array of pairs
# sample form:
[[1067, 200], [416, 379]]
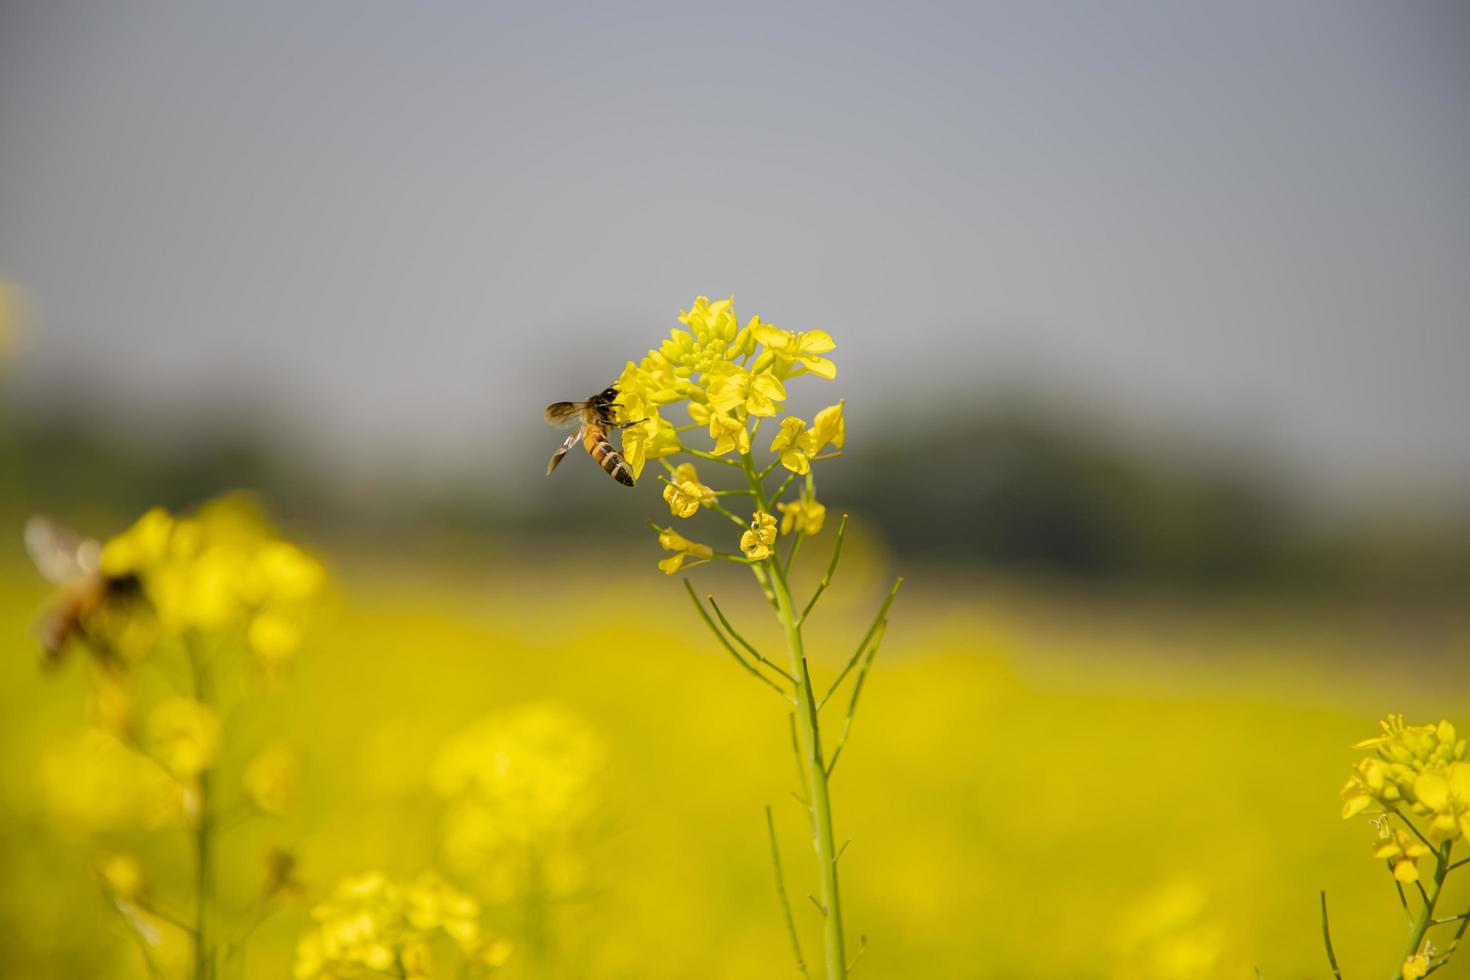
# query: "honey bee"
[[590, 421], [73, 562]]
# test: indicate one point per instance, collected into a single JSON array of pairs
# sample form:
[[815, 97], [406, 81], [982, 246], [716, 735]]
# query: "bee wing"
[[60, 554], [564, 415], [566, 446]]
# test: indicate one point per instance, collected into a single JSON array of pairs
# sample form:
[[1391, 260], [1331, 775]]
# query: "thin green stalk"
[[867, 638], [1327, 940], [726, 644], [781, 894], [1426, 917], [810, 737], [1444, 958], [831, 567], [743, 642], [857, 690], [701, 454]]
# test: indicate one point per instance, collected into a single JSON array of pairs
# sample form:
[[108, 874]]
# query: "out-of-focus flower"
[[521, 788], [1403, 853], [273, 778], [111, 706], [1445, 798], [373, 924], [759, 543], [122, 876], [683, 550], [787, 349], [184, 735], [790, 446], [1395, 776], [685, 494], [217, 571], [1416, 965], [804, 516]]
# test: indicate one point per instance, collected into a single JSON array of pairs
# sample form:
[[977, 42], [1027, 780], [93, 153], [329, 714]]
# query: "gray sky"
[[412, 225]]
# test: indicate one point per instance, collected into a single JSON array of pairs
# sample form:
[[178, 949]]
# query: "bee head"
[[610, 393]]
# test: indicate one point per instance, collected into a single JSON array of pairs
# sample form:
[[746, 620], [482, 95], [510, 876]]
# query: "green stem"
[[809, 736], [1426, 917]]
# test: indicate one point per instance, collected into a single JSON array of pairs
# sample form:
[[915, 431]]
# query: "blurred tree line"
[[1014, 488]]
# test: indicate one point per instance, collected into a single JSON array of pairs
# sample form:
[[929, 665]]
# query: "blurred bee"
[[73, 562], [591, 421]]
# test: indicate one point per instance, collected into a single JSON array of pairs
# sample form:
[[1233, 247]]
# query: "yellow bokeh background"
[[1037, 784]]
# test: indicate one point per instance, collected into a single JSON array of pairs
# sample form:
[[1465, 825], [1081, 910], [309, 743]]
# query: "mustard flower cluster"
[[220, 571], [191, 598], [372, 926], [730, 379], [1416, 784], [1420, 770]]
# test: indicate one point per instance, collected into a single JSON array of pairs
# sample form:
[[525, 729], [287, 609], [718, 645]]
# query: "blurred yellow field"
[[1036, 787]]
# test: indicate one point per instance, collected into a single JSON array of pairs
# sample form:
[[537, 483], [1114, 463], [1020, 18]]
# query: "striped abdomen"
[[595, 441]]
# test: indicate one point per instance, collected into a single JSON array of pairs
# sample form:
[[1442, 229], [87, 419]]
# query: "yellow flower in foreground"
[[1403, 852], [683, 550], [685, 494], [828, 428], [728, 433], [654, 438], [790, 446], [184, 735], [273, 778], [759, 543], [1445, 799], [730, 386], [788, 348], [713, 337], [1402, 754], [802, 516]]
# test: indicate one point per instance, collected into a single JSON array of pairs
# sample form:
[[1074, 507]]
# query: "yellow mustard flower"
[[685, 494], [184, 735], [273, 778], [653, 439], [140, 547], [828, 428], [731, 386], [759, 543], [803, 516], [683, 550], [371, 923], [1444, 797], [788, 349], [714, 336], [729, 433], [1402, 753], [1403, 853], [121, 875], [1416, 965], [790, 446]]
